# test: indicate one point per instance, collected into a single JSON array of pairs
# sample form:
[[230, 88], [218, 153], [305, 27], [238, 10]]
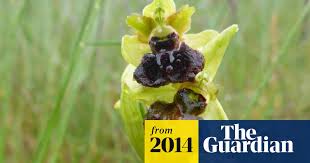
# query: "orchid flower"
[[160, 18]]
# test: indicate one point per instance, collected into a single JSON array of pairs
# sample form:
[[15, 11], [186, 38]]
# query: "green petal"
[[143, 25], [214, 50], [146, 94], [214, 111], [181, 20], [199, 40], [132, 113], [167, 5], [133, 49]]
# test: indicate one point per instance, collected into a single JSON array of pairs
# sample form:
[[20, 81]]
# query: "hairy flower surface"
[[170, 73], [176, 66]]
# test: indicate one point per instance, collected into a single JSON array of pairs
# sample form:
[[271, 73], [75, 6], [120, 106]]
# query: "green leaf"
[[215, 50], [148, 95], [214, 111], [168, 6], [133, 49], [56, 124], [130, 111], [199, 40], [181, 20], [142, 24]]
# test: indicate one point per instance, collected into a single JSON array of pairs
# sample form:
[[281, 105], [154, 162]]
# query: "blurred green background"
[[60, 68]]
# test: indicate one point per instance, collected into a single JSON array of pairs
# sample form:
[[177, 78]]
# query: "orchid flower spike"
[[170, 73]]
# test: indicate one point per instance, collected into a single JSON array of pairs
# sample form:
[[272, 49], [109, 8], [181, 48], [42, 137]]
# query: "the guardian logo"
[[240, 140]]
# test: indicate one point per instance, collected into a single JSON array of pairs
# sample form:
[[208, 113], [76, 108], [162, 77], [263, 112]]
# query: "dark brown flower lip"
[[176, 66], [187, 105], [192, 103]]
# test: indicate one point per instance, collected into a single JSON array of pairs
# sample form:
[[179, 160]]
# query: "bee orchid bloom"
[[165, 66]]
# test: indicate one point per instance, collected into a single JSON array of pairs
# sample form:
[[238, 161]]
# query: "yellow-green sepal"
[[199, 40], [215, 50], [132, 114], [133, 49], [181, 20], [142, 25], [168, 7]]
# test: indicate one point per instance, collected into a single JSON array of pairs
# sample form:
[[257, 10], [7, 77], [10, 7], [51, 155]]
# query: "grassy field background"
[[59, 77]]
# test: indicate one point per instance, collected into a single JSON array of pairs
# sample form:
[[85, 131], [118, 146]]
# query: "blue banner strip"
[[251, 141]]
